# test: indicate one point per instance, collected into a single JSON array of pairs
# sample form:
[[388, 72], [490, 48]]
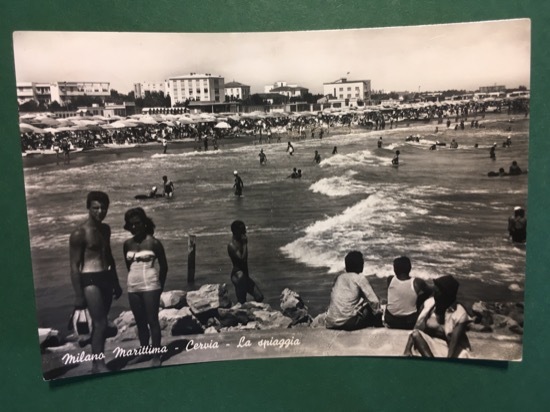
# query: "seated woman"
[[440, 330], [145, 282]]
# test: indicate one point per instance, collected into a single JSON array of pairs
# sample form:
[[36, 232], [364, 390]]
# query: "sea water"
[[437, 207]]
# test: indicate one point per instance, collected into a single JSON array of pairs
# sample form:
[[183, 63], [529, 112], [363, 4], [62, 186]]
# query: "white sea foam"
[[338, 186]]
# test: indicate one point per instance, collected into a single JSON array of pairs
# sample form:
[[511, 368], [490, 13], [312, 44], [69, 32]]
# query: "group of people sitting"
[[437, 321]]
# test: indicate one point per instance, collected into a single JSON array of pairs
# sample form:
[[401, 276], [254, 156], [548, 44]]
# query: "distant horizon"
[[413, 58]]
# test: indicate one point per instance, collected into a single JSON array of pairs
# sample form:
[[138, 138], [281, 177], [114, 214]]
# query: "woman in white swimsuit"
[[145, 282]]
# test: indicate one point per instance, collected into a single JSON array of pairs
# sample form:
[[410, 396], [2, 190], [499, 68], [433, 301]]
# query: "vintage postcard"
[[223, 196]]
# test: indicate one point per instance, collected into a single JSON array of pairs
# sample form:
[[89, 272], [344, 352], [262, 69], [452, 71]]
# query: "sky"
[[414, 58]]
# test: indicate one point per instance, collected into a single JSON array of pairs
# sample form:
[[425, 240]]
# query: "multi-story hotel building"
[[60, 92], [141, 88], [352, 90], [235, 90], [196, 87]]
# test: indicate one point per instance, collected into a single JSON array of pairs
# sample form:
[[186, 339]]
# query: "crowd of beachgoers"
[[43, 133]]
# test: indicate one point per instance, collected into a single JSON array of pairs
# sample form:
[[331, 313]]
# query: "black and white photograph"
[[197, 197]]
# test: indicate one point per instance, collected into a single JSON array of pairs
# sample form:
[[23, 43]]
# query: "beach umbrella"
[[222, 125], [121, 124], [147, 120], [185, 120], [51, 130], [27, 128]]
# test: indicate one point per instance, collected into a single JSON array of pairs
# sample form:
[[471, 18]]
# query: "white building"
[[351, 90], [196, 87], [270, 87], [61, 92], [65, 92], [141, 88], [285, 89], [235, 90], [39, 92]]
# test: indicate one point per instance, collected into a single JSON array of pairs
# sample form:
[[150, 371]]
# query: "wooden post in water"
[[191, 247]]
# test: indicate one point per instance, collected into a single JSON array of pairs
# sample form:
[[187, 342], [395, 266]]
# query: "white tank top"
[[401, 297]]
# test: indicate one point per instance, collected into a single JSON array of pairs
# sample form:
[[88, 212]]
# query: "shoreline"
[[37, 160]]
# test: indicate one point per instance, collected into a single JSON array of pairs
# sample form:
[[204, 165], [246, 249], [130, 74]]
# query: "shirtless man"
[[238, 253], [93, 272]]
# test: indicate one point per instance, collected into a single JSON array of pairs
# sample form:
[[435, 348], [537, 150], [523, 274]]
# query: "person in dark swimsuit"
[[238, 253]]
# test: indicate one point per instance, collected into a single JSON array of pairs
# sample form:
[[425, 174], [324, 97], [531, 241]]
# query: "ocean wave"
[[339, 186]]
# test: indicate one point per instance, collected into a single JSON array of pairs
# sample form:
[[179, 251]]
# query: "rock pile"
[[209, 310], [502, 318]]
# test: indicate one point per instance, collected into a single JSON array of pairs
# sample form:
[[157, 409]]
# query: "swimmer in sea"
[[317, 157], [237, 250], [239, 184], [335, 150], [379, 143], [293, 175], [263, 157], [290, 149], [492, 152], [514, 169], [517, 225], [168, 187], [395, 160], [93, 272]]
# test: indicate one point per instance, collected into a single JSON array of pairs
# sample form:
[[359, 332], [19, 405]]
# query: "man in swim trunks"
[[93, 272], [238, 253]]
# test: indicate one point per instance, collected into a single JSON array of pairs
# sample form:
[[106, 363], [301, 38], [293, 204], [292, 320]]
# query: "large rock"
[[125, 318], [482, 314], [294, 307], [319, 321], [261, 314], [208, 298], [173, 299], [48, 337], [179, 322]]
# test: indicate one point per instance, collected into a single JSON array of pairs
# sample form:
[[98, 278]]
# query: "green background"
[[289, 384]]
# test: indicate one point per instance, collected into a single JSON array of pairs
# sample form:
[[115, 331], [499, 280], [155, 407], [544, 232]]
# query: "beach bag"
[[81, 322]]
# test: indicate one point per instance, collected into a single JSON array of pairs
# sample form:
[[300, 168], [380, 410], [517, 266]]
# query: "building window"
[[198, 90], [206, 89], [349, 89], [341, 96], [357, 89]]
